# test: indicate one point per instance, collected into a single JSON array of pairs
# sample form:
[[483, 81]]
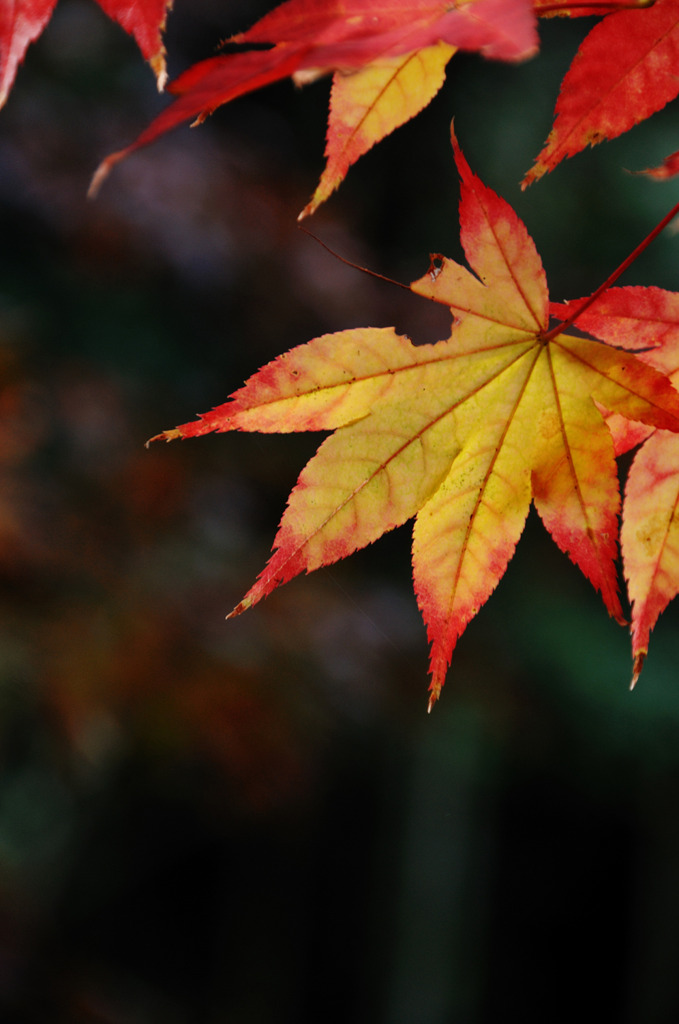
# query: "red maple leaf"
[[624, 71], [23, 21], [644, 318]]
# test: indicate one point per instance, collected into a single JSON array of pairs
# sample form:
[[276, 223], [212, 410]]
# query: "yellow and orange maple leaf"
[[369, 104], [461, 434]]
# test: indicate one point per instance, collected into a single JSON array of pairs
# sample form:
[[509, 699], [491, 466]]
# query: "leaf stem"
[[612, 278], [349, 263]]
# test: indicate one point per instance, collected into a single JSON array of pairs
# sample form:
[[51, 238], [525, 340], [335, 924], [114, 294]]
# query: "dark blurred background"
[[255, 821]]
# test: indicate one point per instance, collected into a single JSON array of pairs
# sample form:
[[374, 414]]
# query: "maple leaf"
[[369, 104], [633, 317], [23, 21], [624, 71], [461, 434], [387, 60]]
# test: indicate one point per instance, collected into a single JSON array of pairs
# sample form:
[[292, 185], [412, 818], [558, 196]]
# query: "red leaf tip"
[[166, 435], [434, 695], [242, 606], [102, 172], [639, 659]]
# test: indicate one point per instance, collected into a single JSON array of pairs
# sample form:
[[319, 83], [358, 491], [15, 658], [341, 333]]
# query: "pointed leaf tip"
[[145, 21], [241, 607], [435, 693], [639, 660], [102, 172], [165, 435], [159, 69]]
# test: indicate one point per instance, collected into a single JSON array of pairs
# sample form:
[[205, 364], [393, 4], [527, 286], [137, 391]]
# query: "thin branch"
[[610, 281], [349, 263]]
